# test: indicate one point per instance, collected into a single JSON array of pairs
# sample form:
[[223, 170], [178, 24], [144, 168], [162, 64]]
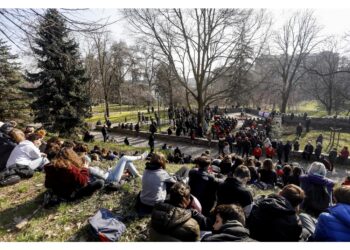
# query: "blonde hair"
[[158, 159]]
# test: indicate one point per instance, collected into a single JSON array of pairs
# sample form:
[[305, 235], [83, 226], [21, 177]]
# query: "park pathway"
[[337, 175]]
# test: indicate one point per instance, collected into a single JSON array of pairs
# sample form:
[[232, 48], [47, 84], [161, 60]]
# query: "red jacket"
[[64, 181], [344, 154], [270, 152], [257, 152]]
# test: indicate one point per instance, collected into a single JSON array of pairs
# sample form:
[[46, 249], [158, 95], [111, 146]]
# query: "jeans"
[[116, 173]]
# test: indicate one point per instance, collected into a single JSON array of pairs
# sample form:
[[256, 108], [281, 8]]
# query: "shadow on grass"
[[13, 215]]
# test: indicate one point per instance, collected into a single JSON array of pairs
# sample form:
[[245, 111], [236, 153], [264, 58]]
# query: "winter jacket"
[[204, 187], [257, 152], [154, 184], [65, 181], [233, 191], [170, 223], [318, 193], [334, 225], [269, 177], [274, 219], [230, 231]]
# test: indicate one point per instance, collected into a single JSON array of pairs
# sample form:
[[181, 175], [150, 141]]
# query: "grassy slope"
[[344, 139]]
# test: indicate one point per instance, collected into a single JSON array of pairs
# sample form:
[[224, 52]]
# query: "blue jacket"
[[334, 225]]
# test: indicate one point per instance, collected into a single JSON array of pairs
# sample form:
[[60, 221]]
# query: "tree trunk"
[[106, 106], [200, 113], [171, 98], [284, 103]]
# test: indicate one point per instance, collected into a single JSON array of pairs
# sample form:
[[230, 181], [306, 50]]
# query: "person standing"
[[104, 133], [308, 150], [151, 142], [299, 130], [280, 149], [287, 148]]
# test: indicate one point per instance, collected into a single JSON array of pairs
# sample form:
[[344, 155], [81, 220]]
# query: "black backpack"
[[6, 147]]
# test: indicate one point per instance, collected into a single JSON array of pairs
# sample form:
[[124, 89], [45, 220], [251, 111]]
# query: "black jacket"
[[230, 231], [203, 187], [170, 223], [274, 219], [233, 191]]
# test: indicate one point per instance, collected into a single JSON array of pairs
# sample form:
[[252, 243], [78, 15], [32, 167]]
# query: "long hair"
[[67, 157]]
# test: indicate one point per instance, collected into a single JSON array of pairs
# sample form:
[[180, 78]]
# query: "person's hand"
[[43, 155]]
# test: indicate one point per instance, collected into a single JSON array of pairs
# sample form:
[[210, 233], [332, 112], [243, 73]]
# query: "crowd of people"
[[215, 200]]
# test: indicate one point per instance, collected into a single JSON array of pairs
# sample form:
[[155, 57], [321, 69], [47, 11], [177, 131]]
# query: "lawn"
[[312, 108], [289, 134]]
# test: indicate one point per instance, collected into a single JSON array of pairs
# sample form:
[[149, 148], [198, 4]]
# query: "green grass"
[[344, 139], [312, 108]]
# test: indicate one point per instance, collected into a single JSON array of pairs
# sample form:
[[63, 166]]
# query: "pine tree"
[[11, 96], [61, 99]]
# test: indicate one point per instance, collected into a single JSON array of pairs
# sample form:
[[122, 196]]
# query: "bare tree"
[[18, 25], [199, 44], [297, 39]]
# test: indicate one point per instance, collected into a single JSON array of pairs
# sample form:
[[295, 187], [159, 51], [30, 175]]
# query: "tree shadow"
[[28, 210]]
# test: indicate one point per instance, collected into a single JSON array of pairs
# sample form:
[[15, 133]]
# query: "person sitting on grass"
[[68, 177], [178, 218], [334, 224], [27, 153], [229, 225], [267, 173], [274, 218], [318, 189]]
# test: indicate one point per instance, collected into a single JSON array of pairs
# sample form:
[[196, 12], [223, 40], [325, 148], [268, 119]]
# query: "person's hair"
[[345, 147], [230, 212], [238, 161], [342, 194], [242, 172], [81, 148], [317, 168], [104, 151], [17, 135], [52, 151], [294, 194], [258, 164], [68, 144], [250, 162], [95, 157], [158, 159], [33, 137], [41, 132], [29, 130], [287, 170], [178, 192], [53, 140], [202, 161], [268, 165], [297, 171], [67, 157]]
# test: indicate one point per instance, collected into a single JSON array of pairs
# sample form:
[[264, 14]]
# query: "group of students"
[[215, 203]]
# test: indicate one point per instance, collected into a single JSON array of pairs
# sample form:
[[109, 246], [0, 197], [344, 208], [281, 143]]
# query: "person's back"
[[24, 153], [334, 225], [204, 187], [233, 191], [274, 217], [317, 188]]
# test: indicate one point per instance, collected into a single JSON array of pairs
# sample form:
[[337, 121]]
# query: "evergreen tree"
[[11, 96], [61, 99]]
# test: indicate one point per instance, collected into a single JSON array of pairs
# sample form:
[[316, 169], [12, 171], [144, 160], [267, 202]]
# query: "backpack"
[[106, 226], [6, 147]]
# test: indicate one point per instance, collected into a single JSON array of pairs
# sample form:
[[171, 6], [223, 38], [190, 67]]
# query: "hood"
[[317, 179], [166, 217], [341, 211], [150, 166], [234, 227], [276, 205]]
